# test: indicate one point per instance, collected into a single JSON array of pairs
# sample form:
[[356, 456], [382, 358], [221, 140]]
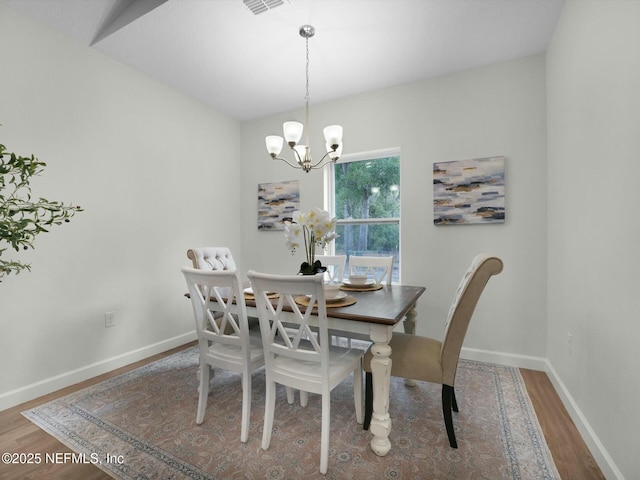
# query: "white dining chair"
[[335, 274], [378, 268], [224, 338], [335, 267], [216, 258], [306, 360]]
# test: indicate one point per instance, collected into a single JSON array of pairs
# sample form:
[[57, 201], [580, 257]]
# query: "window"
[[364, 196]]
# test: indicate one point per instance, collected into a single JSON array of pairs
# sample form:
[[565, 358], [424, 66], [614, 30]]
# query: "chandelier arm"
[[298, 158], [294, 165], [326, 162]]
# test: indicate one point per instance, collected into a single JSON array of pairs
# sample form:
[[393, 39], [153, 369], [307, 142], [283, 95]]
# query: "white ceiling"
[[249, 66]]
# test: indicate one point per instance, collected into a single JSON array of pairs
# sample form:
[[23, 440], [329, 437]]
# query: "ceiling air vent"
[[260, 6]]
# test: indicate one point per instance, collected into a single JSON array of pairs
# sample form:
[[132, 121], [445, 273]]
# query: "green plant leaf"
[[21, 219]]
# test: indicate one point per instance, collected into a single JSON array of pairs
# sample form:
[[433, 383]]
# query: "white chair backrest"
[[335, 267], [297, 356], [211, 258], [212, 295], [378, 268], [293, 340]]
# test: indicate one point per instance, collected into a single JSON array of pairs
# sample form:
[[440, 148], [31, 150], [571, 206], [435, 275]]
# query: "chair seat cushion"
[[231, 353], [412, 356], [340, 360]]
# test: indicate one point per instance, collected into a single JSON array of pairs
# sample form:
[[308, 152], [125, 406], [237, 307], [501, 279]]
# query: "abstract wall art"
[[469, 191], [276, 202]]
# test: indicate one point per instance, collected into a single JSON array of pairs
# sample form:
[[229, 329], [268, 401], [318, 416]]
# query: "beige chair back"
[[211, 258], [464, 303]]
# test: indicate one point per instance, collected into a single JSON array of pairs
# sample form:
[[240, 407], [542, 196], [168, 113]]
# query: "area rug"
[[141, 425]]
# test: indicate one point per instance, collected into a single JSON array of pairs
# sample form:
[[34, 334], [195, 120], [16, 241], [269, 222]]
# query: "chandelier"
[[293, 131]]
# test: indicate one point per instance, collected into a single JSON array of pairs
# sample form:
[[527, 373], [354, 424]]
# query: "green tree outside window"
[[367, 190]]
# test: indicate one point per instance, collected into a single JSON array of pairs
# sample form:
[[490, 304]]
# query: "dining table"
[[373, 315]]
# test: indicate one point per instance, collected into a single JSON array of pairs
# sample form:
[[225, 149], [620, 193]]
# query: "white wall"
[[593, 68], [146, 163], [495, 110]]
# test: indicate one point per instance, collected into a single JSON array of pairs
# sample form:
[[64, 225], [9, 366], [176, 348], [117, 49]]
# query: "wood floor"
[[19, 435], [570, 454]]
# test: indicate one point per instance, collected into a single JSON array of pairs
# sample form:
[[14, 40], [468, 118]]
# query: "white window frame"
[[329, 196]]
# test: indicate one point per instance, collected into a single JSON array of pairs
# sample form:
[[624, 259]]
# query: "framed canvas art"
[[469, 191], [276, 202]]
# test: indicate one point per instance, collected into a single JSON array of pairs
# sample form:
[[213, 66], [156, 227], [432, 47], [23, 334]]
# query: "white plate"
[[365, 284], [250, 291], [337, 298]]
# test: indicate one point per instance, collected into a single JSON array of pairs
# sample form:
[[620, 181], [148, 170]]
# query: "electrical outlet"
[[569, 343], [109, 319]]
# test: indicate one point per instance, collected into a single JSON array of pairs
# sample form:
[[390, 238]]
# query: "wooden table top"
[[386, 306]]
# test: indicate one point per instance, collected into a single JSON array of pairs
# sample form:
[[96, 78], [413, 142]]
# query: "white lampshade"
[[274, 144], [302, 150], [292, 131], [333, 134]]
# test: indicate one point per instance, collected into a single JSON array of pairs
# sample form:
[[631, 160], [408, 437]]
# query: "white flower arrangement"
[[315, 228]]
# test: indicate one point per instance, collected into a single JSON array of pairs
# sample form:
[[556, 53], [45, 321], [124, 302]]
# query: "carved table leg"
[[409, 325], [381, 373]]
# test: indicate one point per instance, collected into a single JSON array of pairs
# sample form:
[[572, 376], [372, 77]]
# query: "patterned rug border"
[[139, 452], [543, 454], [80, 445]]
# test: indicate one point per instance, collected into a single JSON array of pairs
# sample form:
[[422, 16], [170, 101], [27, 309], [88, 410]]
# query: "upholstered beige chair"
[[430, 360], [211, 258], [216, 258]]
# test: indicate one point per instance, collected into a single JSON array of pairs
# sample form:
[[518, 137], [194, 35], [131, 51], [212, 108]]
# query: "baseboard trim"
[[600, 454], [38, 389], [501, 358]]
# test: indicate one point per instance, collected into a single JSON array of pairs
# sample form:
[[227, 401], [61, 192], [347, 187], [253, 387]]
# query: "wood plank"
[[569, 451]]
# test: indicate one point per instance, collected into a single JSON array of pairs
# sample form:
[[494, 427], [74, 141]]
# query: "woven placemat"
[[251, 296], [343, 302], [360, 288]]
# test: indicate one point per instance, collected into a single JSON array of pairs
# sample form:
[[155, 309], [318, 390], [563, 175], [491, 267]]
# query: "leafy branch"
[[22, 218]]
